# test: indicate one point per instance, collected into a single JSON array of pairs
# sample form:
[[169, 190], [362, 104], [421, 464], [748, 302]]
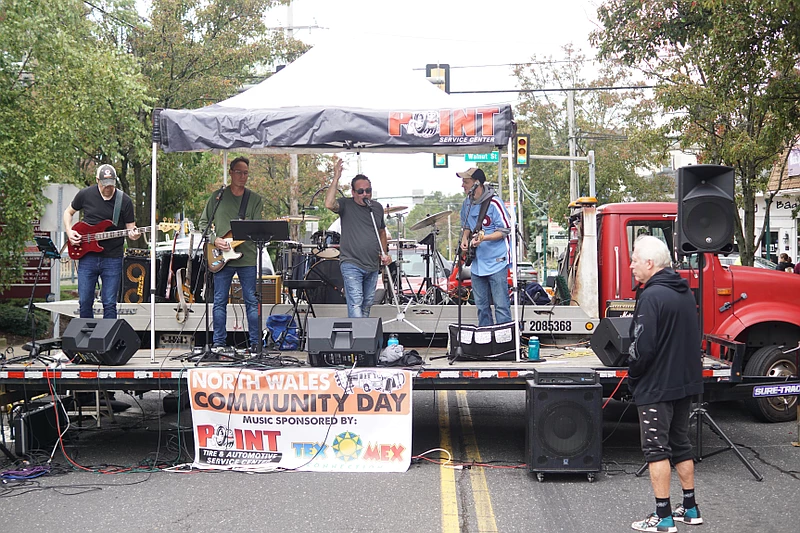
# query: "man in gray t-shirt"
[[361, 253]]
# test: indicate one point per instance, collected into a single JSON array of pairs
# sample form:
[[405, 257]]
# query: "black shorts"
[[664, 430]]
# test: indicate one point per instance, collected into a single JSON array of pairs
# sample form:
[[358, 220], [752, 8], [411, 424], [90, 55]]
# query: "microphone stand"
[[401, 314], [458, 351], [207, 354]]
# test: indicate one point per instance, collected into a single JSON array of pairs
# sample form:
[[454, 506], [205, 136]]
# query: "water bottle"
[[392, 340], [533, 349]]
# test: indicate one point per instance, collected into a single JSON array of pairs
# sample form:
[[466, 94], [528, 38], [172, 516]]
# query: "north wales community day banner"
[[318, 419]]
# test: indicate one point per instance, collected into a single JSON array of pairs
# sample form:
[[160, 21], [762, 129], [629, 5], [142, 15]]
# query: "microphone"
[[368, 202], [309, 208], [219, 193], [474, 186]]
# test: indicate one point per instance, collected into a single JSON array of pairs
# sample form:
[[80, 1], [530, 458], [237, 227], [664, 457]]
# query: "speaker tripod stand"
[[700, 415]]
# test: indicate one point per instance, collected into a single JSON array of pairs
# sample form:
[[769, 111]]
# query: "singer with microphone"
[[235, 202], [490, 241], [362, 249]]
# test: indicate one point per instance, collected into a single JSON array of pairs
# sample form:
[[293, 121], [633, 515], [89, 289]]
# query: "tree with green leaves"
[[617, 124], [192, 53], [61, 89], [727, 79]]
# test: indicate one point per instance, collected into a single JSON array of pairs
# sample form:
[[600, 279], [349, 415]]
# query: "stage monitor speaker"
[[610, 341], [135, 288], [564, 428], [104, 341], [343, 341], [706, 209]]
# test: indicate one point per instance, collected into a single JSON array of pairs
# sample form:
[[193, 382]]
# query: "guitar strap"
[[482, 214], [117, 207], [243, 205]]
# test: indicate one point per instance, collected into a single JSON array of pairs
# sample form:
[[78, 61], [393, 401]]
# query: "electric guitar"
[[217, 258], [469, 255], [92, 234]]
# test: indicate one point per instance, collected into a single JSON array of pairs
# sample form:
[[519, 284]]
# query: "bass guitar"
[[217, 258], [91, 235]]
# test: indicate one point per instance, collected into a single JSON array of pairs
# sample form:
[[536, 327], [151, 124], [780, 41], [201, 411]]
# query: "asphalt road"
[[486, 427]]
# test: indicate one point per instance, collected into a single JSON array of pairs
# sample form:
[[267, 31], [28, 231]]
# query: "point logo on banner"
[[452, 126]]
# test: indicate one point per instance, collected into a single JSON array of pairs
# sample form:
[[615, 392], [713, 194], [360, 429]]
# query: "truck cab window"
[[661, 229]]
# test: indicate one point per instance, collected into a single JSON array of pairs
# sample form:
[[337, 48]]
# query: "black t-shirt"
[[97, 209]]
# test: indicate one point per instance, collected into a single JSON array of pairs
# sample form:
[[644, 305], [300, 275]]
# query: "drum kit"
[[319, 259]]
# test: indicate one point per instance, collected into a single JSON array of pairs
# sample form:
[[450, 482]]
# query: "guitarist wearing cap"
[[488, 243], [104, 205], [235, 202]]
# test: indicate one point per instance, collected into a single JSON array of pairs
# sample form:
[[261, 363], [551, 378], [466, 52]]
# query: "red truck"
[[757, 307]]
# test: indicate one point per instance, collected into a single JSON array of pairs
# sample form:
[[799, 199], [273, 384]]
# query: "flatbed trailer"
[[168, 369]]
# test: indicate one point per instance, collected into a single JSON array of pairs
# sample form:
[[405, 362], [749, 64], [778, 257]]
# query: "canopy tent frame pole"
[[511, 193], [153, 239]]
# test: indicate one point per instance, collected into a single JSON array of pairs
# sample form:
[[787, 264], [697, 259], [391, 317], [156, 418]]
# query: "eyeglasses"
[[241, 172], [368, 190]]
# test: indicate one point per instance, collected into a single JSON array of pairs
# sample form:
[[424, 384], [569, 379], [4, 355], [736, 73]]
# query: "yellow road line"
[[480, 490], [447, 483]]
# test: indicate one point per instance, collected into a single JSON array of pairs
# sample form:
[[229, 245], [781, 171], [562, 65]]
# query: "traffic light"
[[439, 75], [521, 143]]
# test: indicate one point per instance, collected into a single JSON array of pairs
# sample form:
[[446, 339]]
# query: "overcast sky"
[[463, 33]]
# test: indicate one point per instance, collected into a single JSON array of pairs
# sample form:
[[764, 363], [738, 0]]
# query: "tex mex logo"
[[474, 125]]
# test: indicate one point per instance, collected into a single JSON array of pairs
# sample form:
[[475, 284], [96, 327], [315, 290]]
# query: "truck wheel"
[[771, 361]]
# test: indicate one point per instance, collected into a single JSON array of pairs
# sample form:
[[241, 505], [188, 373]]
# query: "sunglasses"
[[368, 190]]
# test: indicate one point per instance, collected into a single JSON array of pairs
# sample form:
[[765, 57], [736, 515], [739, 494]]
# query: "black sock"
[[663, 507], [688, 499]]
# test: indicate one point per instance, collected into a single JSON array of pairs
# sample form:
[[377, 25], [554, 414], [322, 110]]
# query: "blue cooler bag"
[[277, 325]]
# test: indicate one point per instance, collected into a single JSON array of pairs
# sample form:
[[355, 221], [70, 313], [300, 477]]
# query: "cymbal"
[[394, 209], [299, 218], [430, 220]]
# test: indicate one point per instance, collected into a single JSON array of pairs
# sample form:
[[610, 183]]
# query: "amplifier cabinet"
[[271, 291], [135, 286]]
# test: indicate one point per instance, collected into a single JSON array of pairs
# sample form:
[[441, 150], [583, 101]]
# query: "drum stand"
[[432, 290]]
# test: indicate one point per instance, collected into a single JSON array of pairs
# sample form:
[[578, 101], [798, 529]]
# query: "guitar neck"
[[103, 235]]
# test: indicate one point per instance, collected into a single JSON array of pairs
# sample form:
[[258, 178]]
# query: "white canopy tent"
[[318, 105]]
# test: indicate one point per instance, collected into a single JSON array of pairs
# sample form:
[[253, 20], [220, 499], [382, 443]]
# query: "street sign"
[[492, 157]]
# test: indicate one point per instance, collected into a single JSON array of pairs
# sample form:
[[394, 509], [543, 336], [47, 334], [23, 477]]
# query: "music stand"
[[48, 250], [260, 232]]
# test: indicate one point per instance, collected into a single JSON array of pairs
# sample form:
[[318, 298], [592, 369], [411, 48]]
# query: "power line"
[[518, 64], [556, 90], [109, 15]]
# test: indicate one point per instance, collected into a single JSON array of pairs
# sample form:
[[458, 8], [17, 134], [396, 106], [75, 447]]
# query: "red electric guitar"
[[91, 235]]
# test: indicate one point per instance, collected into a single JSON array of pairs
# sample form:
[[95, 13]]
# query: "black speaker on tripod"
[[564, 425], [610, 341], [103, 341], [706, 209]]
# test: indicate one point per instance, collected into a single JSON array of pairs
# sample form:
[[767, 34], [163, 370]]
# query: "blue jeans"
[[487, 289], [109, 270], [359, 289], [222, 287]]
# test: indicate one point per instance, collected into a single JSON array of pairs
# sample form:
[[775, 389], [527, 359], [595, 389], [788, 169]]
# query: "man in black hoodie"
[[664, 371]]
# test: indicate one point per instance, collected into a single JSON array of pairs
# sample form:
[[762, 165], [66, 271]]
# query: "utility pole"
[[573, 175]]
